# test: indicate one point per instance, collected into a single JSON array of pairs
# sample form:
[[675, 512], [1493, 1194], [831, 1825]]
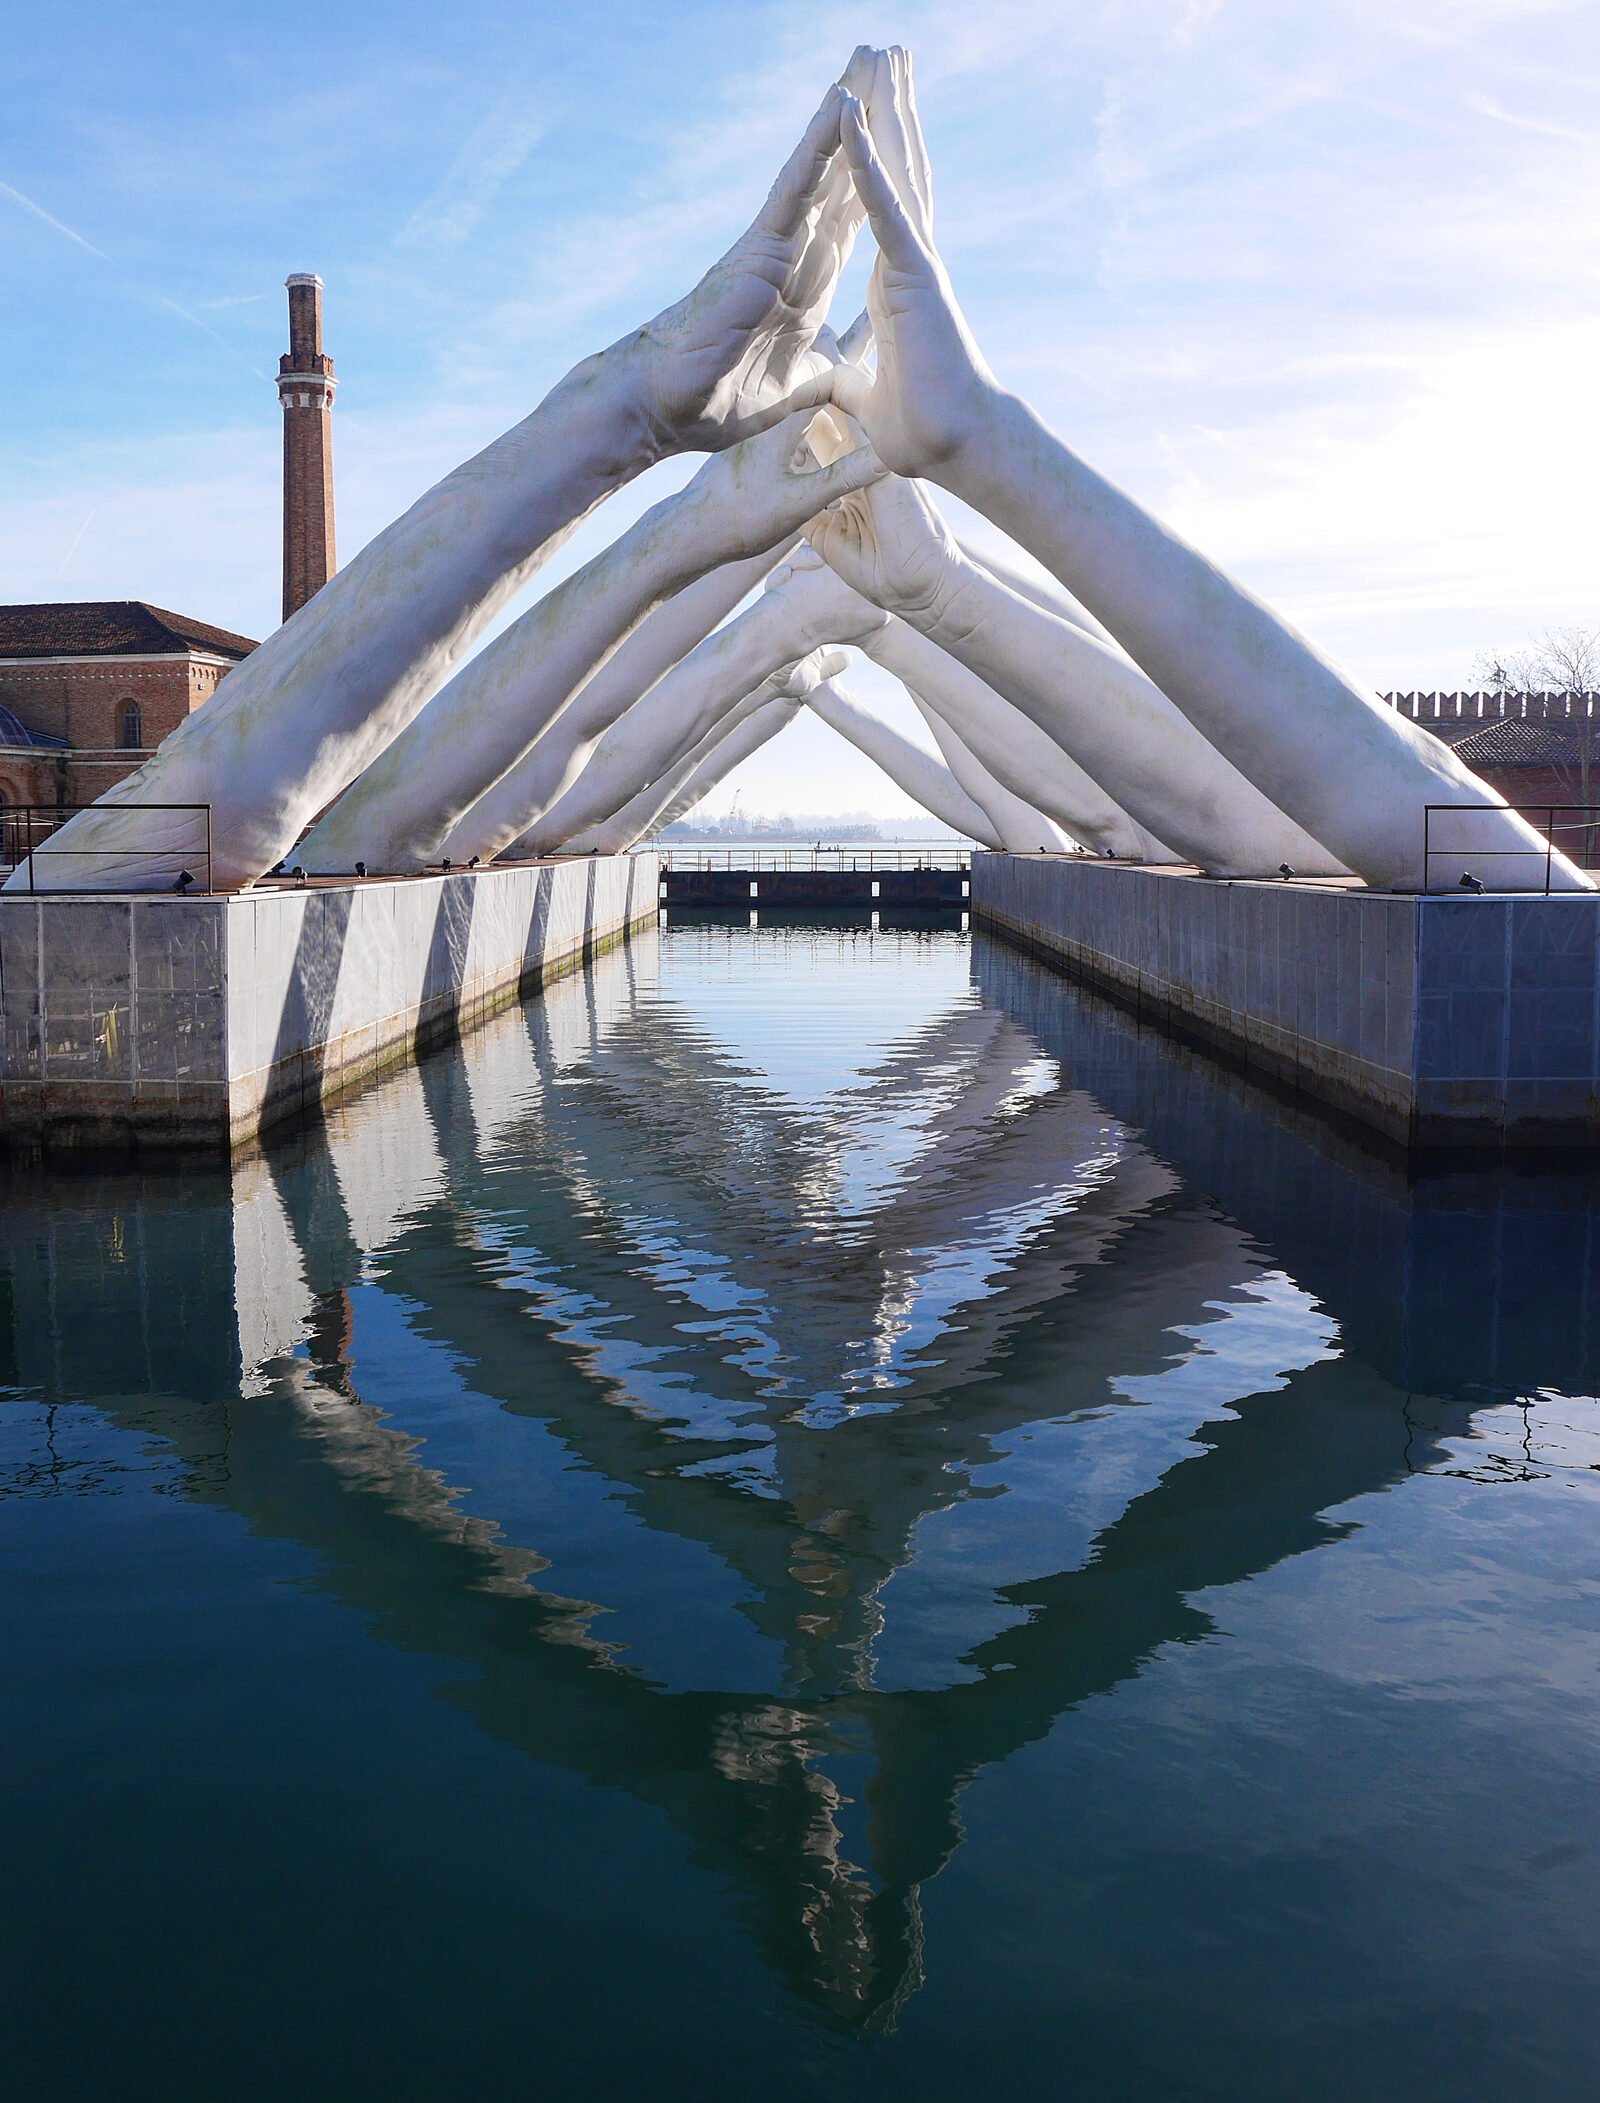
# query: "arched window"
[[131, 734]]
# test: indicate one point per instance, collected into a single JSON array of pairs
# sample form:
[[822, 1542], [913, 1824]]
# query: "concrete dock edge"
[[196, 1023], [1439, 1022]]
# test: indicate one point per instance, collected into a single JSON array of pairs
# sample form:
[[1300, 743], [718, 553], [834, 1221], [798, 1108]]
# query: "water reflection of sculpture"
[[1194, 722], [510, 1198]]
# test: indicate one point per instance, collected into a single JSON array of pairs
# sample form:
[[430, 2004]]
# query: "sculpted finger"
[[837, 535], [858, 76], [812, 388], [891, 226], [919, 169], [892, 140], [849, 388], [855, 345], [845, 214], [842, 478], [802, 176]]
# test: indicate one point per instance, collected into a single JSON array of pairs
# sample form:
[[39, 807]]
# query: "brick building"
[[1533, 748], [89, 688]]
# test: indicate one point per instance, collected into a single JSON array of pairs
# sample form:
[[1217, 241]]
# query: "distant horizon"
[[789, 828]]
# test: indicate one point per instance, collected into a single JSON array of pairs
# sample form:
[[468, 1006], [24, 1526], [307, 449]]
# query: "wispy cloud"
[[1486, 106], [73, 545], [50, 219], [494, 151]]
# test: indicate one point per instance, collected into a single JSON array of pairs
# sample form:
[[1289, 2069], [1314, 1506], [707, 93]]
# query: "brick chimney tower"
[[305, 387]]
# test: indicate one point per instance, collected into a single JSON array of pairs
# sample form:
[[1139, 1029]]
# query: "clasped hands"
[[749, 348]]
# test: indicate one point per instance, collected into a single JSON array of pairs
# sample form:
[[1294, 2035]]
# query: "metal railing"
[[26, 830], [784, 861], [1577, 823]]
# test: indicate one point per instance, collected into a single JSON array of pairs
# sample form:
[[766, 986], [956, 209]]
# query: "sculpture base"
[[196, 1022], [1439, 1022]]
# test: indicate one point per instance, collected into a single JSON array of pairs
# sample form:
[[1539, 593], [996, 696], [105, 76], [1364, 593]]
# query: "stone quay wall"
[[197, 1022], [1438, 1022]]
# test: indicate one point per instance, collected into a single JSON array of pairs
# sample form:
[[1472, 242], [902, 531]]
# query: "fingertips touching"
[[849, 389], [856, 471], [891, 226], [803, 174]]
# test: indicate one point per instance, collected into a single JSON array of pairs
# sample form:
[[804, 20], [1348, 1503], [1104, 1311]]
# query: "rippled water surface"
[[813, 1514]]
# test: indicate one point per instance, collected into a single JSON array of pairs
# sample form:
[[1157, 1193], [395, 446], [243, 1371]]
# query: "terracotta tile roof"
[[1451, 733], [110, 628], [1518, 742]]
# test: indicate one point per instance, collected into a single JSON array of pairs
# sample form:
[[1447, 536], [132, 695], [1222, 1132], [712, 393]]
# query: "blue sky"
[[1320, 284]]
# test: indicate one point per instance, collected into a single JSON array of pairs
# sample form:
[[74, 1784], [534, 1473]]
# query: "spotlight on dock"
[[361, 868], [299, 876], [1469, 882], [184, 881], [1285, 871], [474, 861], [445, 865]]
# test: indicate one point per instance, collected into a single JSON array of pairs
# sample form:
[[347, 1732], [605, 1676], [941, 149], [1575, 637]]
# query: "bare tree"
[[1561, 661]]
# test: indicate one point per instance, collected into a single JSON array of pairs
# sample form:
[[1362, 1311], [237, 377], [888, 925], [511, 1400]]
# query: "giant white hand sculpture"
[[959, 795], [724, 755], [1022, 826], [923, 778], [562, 749], [740, 734], [800, 611], [675, 718], [302, 717], [1020, 756], [1351, 771], [1011, 745], [744, 502], [893, 548]]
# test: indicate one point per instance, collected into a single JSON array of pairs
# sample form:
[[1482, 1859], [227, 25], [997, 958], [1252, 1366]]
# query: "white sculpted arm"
[[800, 610], [750, 735], [1349, 770], [924, 779], [1011, 748], [675, 720], [560, 752], [743, 503], [301, 717], [1021, 756], [1124, 732], [1022, 826], [1045, 592], [745, 731]]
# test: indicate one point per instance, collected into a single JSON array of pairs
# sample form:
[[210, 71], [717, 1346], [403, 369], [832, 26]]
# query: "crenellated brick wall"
[[1493, 707]]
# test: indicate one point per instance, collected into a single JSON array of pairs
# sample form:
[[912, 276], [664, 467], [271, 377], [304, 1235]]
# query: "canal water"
[[815, 1513]]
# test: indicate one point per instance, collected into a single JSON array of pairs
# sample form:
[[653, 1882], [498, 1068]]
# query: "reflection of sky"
[[850, 1072], [1151, 1662]]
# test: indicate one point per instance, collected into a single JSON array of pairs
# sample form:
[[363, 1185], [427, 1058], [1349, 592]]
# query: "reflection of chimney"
[[305, 387]]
